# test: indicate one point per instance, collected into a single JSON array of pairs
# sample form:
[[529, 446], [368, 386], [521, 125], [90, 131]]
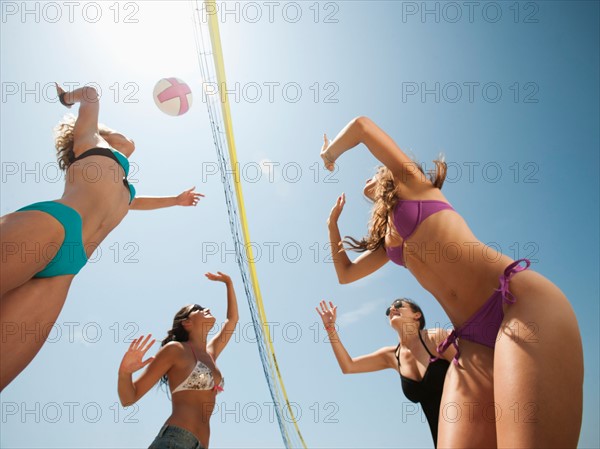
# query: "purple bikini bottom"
[[484, 325]]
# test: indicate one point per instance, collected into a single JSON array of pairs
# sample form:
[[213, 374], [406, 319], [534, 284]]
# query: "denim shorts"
[[172, 437]]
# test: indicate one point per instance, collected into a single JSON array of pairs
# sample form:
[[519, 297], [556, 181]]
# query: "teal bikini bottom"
[[71, 256]]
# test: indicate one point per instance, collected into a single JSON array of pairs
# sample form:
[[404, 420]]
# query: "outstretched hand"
[[329, 162], [337, 209], [221, 277], [189, 197], [132, 360], [327, 313]]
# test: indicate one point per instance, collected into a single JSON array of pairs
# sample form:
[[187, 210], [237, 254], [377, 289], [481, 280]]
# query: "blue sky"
[[508, 91]]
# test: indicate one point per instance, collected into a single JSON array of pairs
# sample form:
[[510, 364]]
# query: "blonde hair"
[[385, 198], [64, 139]]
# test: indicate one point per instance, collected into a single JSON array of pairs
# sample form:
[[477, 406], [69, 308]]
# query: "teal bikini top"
[[118, 157]]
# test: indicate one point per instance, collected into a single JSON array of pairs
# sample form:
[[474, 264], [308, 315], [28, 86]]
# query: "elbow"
[[129, 147], [362, 125], [346, 370], [90, 94], [343, 278], [126, 403]]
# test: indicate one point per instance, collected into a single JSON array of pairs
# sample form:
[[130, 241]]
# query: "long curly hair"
[[385, 198], [177, 331], [64, 139]]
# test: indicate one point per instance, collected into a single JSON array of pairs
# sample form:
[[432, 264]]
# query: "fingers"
[[140, 343], [147, 338], [333, 309], [133, 343], [324, 306], [149, 346]]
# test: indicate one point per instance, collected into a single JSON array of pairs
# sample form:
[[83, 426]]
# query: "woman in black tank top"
[[422, 369]]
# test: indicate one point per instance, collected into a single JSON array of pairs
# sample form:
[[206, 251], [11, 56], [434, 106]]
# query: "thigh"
[[28, 241], [538, 368], [27, 314], [468, 413]]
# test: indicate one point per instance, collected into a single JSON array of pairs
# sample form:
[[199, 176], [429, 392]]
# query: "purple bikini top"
[[407, 216]]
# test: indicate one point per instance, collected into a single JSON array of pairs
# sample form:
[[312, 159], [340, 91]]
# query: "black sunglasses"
[[397, 305], [194, 307]]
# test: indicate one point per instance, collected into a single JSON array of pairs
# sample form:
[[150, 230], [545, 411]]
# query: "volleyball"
[[172, 96]]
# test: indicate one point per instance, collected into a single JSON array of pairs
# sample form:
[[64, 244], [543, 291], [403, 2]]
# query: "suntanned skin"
[[94, 188], [191, 409], [533, 380]]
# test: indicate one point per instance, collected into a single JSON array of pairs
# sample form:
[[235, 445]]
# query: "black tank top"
[[427, 391]]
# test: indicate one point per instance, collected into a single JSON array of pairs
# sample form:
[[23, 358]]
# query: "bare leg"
[[467, 412], [27, 314], [28, 241], [538, 368]]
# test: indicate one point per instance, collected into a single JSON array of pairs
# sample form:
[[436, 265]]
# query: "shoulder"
[[173, 349], [390, 353]]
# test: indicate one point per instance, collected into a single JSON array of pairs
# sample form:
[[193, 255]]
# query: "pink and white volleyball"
[[172, 96]]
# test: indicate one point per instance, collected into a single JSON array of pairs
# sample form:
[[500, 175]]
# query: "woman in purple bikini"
[[506, 387]]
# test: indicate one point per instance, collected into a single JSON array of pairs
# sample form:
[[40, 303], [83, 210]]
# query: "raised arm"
[[186, 198], [219, 341], [376, 361], [131, 391], [346, 270], [382, 146], [85, 134]]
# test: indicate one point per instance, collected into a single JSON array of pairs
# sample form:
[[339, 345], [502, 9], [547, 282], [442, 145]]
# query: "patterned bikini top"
[[201, 378]]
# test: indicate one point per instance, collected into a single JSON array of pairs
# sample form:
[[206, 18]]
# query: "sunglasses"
[[194, 307], [397, 305]]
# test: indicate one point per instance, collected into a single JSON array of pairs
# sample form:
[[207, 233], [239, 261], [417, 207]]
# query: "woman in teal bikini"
[[517, 378], [44, 245]]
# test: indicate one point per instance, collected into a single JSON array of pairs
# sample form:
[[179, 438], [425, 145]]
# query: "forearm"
[[341, 355], [126, 389], [81, 95], [150, 202], [348, 138], [341, 261], [232, 308]]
